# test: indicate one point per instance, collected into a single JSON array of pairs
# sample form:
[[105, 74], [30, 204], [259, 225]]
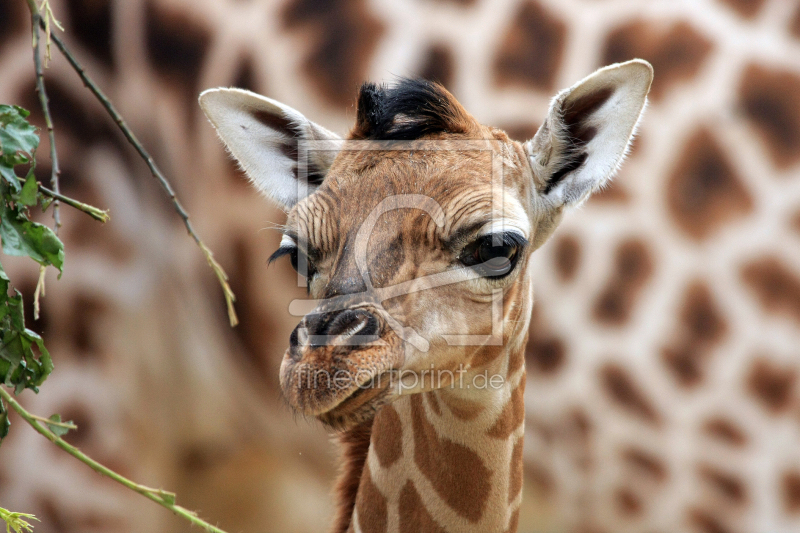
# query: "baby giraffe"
[[414, 236]]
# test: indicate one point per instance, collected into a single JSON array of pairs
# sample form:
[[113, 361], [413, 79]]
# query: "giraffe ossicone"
[[414, 233]]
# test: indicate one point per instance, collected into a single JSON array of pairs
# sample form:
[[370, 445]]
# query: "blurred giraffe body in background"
[[663, 359]]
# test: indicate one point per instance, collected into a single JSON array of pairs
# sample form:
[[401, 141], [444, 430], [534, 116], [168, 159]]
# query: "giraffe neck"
[[446, 460]]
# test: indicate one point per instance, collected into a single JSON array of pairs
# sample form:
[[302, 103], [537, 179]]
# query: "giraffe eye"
[[494, 256], [300, 261]]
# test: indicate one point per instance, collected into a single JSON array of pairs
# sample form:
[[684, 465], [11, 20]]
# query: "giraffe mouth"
[[360, 404]]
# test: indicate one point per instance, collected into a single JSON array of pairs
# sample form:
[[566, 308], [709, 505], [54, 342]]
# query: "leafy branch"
[[154, 170], [16, 521], [161, 497]]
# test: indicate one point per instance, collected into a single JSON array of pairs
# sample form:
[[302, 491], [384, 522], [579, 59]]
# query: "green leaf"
[[25, 238], [16, 133], [29, 190], [59, 431]]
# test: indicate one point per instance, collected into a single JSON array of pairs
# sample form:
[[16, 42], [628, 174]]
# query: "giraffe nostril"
[[349, 323]]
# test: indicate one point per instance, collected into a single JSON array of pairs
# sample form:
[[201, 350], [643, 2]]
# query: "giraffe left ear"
[[587, 132]]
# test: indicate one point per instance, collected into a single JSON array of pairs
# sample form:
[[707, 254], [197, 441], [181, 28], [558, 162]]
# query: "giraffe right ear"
[[587, 132], [265, 137]]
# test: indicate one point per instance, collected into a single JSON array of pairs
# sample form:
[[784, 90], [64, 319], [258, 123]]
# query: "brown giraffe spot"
[[795, 222], [622, 389], [461, 408], [790, 487], [387, 436], [725, 430], [355, 447], [515, 470], [246, 77], [772, 384], [704, 191], [633, 266], [256, 325], [775, 285], [515, 361], [414, 518], [541, 478], [343, 36], [456, 472], [90, 21], [794, 27], [628, 502], [512, 416], [439, 65], [647, 463], [770, 100], [745, 8], [567, 255], [614, 192], [545, 353], [730, 486], [430, 397], [176, 45], [513, 522], [530, 53], [705, 522], [371, 505], [676, 51], [702, 326]]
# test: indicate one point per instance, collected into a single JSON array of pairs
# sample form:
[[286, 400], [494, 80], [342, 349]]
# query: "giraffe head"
[[414, 233]]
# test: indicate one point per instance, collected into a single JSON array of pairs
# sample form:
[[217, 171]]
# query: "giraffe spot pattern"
[[512, 416], [702, 327], [646, 463], [513, 523], [545, 352], [633, 266], [430, 398], [567, 257], [90, 21], [542, 479], [770, 100], [456, 472], [790, 490], [677, 52], [439, 65], [246, 77], [728, 485], [515, 470], [726, 431], [628, 503], [775, 285], [176, 46], [704, 192], [531, 50], [461, 408], [614, 192], [772, 385], [414, 518], [344, 35], [623, 390], [705, 522], [387, 436], [745, 8], [372, 509]]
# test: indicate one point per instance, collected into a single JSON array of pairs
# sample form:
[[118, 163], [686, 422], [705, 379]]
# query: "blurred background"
[[665, 343]]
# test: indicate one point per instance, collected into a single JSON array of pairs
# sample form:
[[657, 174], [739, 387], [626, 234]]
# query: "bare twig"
[[43, 101], [87, 81], [161, 497], [94, 212]]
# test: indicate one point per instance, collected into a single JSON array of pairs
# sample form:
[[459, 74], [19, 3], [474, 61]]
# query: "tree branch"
[[161, 497], [43, 101], [94, 212], [162, 180]]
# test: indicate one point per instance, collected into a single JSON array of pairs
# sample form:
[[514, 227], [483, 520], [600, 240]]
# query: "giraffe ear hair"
[[587, 132], [270, 140]]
